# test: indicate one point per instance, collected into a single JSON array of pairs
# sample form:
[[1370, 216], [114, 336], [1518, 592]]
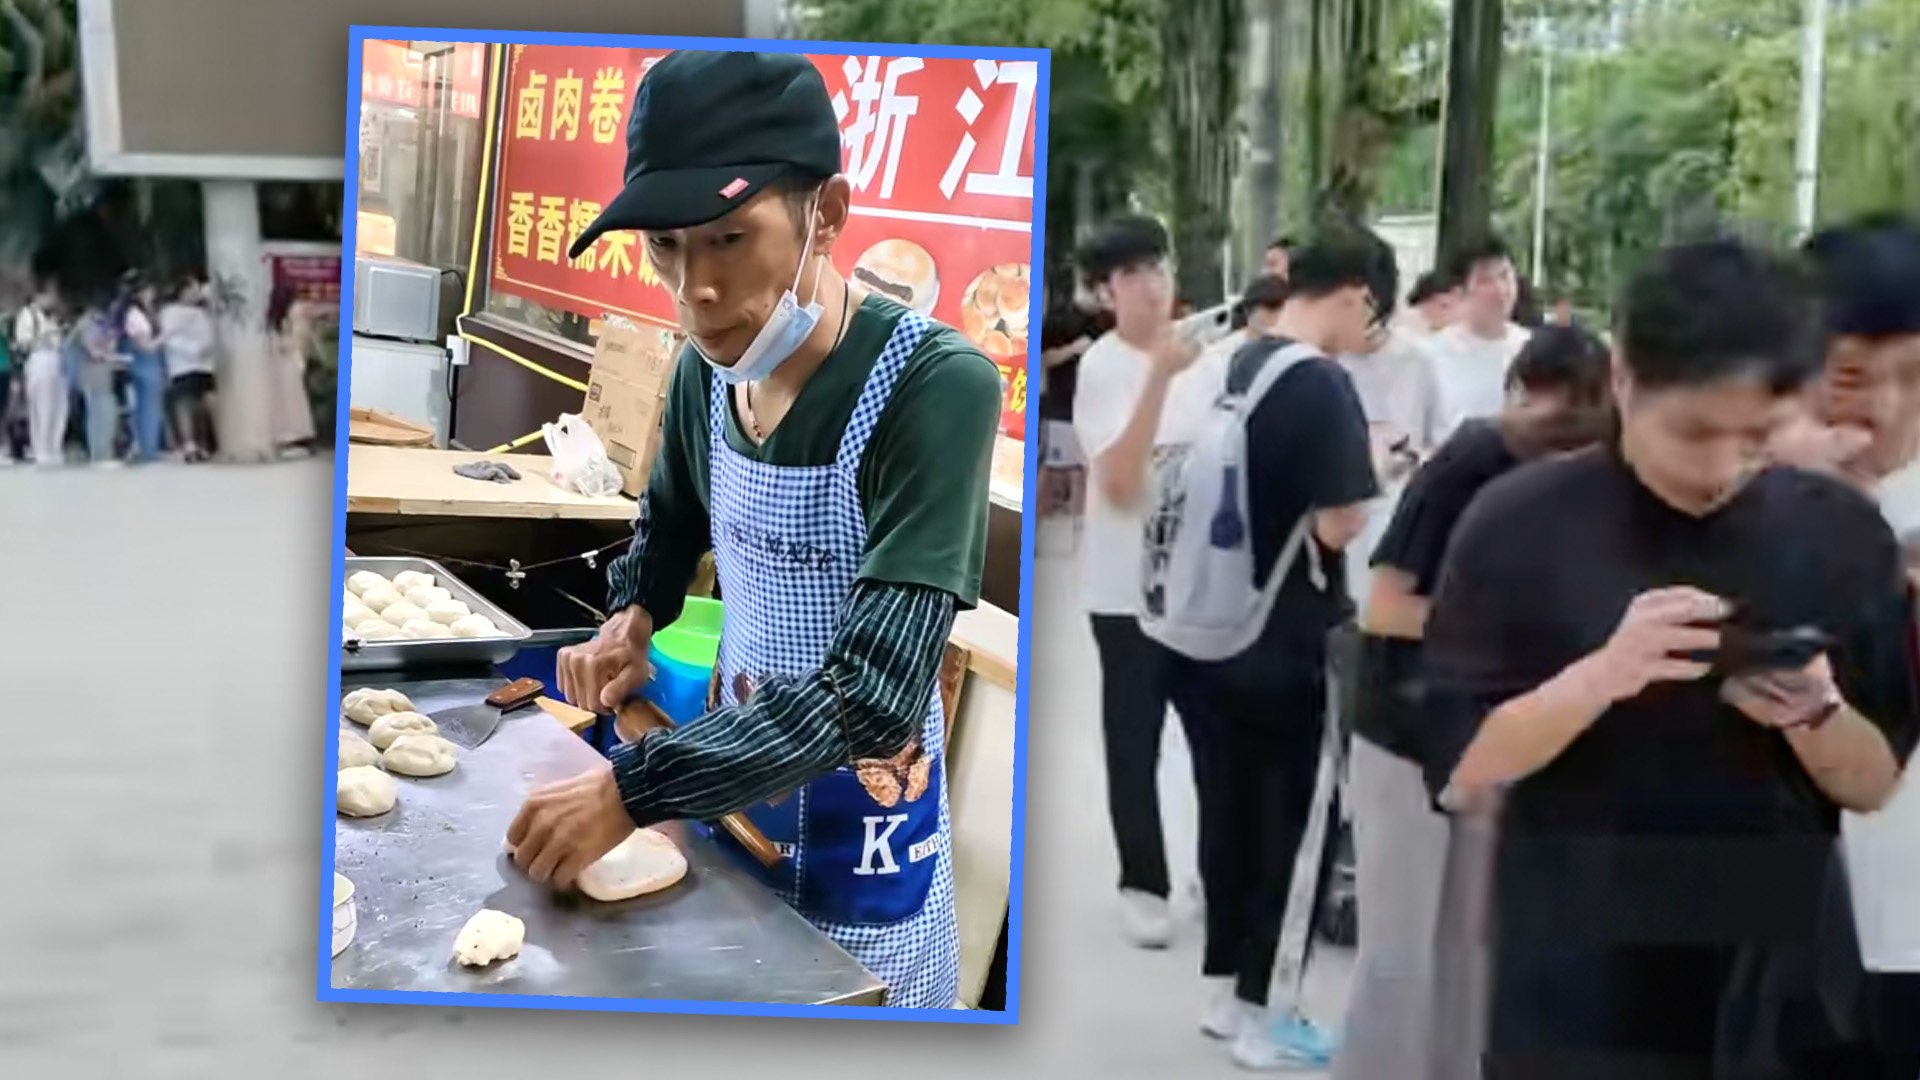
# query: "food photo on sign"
[[591, 521]]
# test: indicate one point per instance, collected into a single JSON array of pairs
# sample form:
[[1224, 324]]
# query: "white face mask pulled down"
[[785, 331]]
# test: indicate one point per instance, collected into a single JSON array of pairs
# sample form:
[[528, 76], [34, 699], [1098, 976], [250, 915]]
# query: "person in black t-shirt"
[[1307, 453], [1558, 401], [1601, 665]]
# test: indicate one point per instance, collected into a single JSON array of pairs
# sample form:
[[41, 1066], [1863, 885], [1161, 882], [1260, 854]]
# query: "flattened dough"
[[365, 705], [419, 755], [364, 791], [356, 751], [448, 611], [490, 935], [360, 582], [424, 630], [380, 598], [644, 862], [421, 596], [395, 724], [377, 629]]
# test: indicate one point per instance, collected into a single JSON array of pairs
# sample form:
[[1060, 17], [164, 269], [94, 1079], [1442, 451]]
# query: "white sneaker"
[[1145, 920], [110, 463], [1227, 1016], [1269, 1043]]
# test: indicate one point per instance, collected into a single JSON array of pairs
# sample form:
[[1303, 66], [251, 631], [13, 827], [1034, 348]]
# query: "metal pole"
[[1543, 154], [1806, 150]]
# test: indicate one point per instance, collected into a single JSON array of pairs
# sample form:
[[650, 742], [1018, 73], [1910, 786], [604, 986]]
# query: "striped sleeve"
[[868, 700]]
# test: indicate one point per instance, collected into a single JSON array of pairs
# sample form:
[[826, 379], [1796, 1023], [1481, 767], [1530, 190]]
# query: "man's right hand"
[[1648, 646], [603, 673], [1172, 353]]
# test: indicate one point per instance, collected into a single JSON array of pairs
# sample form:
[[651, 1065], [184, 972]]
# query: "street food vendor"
[[833, 449]]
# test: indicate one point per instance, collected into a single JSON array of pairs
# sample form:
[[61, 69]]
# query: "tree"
[[1473, 84], [1201, 49]]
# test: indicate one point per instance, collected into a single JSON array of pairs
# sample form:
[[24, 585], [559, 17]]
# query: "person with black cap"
[[834, 454]]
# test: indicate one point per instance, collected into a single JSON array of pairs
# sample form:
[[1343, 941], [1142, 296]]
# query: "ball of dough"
[[365, 705], [419, 755], [490, 935], [364, 791], [356, 751], [395, 724], [475, 626], [646, 861], [377, 629], [360, 582], [448, 611], [424, 596], [424, 630], [400, 613], [353, 612], [407, 579], [380, 597]]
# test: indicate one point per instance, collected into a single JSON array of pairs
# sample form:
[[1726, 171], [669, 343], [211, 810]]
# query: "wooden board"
[[378, 428], [415, 481], [992, 640]]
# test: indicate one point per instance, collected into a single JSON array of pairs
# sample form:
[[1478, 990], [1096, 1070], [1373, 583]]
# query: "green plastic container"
[[694, 638]]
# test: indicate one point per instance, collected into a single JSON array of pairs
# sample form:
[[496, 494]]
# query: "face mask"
[[785, 331]]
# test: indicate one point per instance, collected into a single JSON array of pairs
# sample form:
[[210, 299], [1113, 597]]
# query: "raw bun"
[[490, 935], [419, 755], [401, 613], [424, 630], [408, 579], [359, 583], [353, 612], [377, 629], [356, 751], [902, 271], [393, 725], [424, 596], [365, 705], [475, 626], [644, 862], [364, 791], [448, 611], [379, 598]]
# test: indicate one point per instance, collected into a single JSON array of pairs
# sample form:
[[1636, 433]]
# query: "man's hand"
[[1172, 353], [1783, 699], [564, 828], [1659, 625], [601, 674], [1837, 450]]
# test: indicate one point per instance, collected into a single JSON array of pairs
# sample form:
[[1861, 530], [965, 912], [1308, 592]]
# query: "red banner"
[[391, 73], [939, 153], [307, 273]]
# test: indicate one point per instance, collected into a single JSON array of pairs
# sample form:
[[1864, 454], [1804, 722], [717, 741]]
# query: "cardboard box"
[[627, 396]]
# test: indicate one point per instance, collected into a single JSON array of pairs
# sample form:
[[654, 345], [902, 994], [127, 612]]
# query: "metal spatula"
[[468, 726]]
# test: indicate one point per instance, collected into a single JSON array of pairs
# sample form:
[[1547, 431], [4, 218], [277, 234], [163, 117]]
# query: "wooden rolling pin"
[[641, 716]]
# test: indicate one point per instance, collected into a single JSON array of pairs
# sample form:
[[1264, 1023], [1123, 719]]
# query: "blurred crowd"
[[128, 375], [1602, 647]]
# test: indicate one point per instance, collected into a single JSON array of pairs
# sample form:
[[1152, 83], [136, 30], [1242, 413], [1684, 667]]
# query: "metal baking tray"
[[391, 655]]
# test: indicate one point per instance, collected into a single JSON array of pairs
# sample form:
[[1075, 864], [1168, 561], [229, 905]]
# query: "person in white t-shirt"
[[1124, 403], [37, 335], [187, 337], [1400, 391], [1471, 356], [1867, 430]]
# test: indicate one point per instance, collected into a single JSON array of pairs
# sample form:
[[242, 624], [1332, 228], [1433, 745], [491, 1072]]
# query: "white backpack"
[[1198, 597]]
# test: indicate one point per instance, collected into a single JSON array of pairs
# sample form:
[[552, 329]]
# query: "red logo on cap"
[[739, 184]]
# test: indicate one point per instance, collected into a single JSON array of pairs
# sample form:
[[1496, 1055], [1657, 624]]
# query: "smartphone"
[[1206, 327], [1745, 649]]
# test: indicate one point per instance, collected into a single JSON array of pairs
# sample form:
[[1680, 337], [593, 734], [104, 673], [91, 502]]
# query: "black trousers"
[[1261, 739], [1134, 695], [1893, 1024]]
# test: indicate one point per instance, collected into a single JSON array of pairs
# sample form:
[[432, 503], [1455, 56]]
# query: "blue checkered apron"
[[868, 853]]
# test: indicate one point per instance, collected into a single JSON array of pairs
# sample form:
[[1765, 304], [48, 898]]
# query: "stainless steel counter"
[[422, 869]]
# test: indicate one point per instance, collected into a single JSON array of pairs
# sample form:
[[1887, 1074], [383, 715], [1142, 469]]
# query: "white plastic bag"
[[580, 460]]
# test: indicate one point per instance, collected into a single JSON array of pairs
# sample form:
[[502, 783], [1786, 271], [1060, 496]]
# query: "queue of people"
[[128, 377], [1640, 611]]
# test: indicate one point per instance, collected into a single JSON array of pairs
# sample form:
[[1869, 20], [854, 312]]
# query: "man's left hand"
[[1782, 699], [565, 827]]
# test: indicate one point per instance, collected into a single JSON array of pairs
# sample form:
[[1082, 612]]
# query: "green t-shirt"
[[923, 480]]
